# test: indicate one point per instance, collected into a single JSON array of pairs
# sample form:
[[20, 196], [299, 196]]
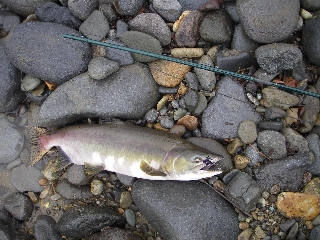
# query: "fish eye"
[[197, 160]]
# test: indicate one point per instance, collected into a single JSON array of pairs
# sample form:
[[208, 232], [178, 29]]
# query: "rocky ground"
[[270, 187]]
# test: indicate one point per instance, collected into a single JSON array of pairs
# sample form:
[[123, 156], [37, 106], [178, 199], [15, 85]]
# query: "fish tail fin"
[[37, 151]]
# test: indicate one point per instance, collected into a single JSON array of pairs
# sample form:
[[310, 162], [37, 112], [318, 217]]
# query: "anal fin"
[[146, 168]]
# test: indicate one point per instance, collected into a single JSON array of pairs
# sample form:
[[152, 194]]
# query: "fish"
[[127, 149]]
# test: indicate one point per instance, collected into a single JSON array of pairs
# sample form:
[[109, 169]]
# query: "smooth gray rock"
[[76, 174], [129, 93], [100, 67], [274, 113], [146, 22], [241, 42], [11, 94], [310, 5], [81, 222], [315, 233], [272, 144], [231, 9], [19, 205], [69, 191], [191, 99], [226, 164], [82, 9], [233, 60], [123, 57], [25, 178], [192, 81], [122, 27], [191, 4], [253, 154], [8, 20], [170, 10], [96, 26], [270, 125], [52, 12], [174, 209], [22, 7], [314, 145], [109, 12], [243, 191], [263, 75], [201, 105], [11, 141], [115, 234], [287, 173], [45, 228], [295, 141], [141, 41], [227, 110], [56, 60], [268, 21], [287, 225], [278, 56], [207, 79], [29, 83], [216, 27], [129, 7]]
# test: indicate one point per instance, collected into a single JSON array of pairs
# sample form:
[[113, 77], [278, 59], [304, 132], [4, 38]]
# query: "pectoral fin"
[[145, 167]]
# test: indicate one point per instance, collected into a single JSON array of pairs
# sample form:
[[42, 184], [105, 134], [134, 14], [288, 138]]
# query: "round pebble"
[[190, 122], [125, 199], [29, 83], [241, 162], [234, 146], [151, 115], [166, 122], [43, 181], [100, 67], [247, 131], [97, 187], [178, 130], [130, 217]]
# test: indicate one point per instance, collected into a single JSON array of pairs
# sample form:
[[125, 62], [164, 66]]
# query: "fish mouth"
[[208, 163]]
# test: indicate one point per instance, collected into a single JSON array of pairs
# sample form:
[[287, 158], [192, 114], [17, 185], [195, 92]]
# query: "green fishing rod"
[[192, 64]]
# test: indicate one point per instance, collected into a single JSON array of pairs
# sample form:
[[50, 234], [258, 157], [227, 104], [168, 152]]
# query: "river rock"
[[80, 222], [227, 110], [100, 67], [19, 205], [254, 155], [270, 125], [272, 144], [146, 22], [216, 27], [45, 228], [55, 61], [22, 7], [82, 9], [274, 113], [233, 60], [11, 94], [247, 131], [8, 20], [174, 209], [170, 10], [241, 41], [295, 141], [268, 21], [206, 78], [141, 41], [278, 56], [123, 57], [314, 145], [52, 12], [286, 173], [69, 191], [11, 141], [115, 234], [273, 97], [128, 7], [310, 5], [69, 103]]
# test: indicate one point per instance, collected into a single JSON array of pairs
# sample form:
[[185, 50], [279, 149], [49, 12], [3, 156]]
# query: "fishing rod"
[[192, 64]]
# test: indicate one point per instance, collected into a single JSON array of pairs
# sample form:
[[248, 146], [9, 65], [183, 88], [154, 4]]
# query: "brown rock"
[[187, 33], [306, 206], [313, 187], [240, 162], [190, 122], [168, 74]]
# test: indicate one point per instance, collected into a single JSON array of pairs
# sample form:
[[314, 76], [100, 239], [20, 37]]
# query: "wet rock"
[[286, 173], [19, 205], [123, 57], [169, 10], [274, 113], [165, 203], [241, 42], [82, 9], [69, 191], [25, 178], [207, 79], [130, 217], [309, 116], [21, 7], [125, 199], [168, 74], [310, 5], [278, 56], [310, 36], [233, 60], [82, 221], [291, 204], [295, 141], [243, 191], [314, 145], [141, 41], [315, 233], [96, 26], [52, 12], [63, 58], [268, 21], [224, 113], [128, 7], [10, 93], [252, 152], [270, 125], [100, 67], [11, 141], [277, 98], [45, 228], [146, 23], [247, 131], [115, 234], [188, 34], [111, 97], [8, 20]]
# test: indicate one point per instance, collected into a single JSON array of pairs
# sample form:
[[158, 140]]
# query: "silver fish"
[[127, 149]]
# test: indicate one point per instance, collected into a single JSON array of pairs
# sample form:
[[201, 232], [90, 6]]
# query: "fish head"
[[186, 164]]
